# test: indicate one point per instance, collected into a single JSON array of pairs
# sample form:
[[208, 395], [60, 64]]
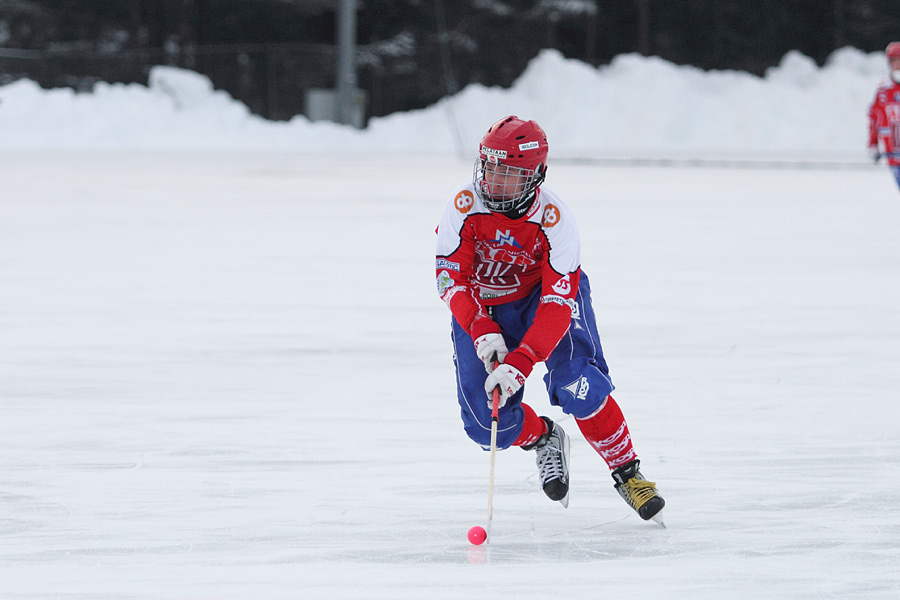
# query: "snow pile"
[[635, 106]]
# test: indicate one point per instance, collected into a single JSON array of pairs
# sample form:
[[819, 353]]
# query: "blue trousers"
[[577, 378], [895, 171]]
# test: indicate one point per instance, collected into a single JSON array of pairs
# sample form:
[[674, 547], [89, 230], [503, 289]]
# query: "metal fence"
[[271, 79]]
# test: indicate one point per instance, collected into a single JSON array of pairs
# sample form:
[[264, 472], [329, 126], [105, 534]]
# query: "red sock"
[[533, 427], [607, 432]]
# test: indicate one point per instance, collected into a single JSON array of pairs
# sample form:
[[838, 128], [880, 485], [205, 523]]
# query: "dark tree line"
[[268, 53]]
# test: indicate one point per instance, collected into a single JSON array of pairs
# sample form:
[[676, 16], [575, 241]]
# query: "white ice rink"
[[228, 376]]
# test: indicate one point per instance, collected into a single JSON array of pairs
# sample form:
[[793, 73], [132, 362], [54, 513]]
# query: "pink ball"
[[477, 535]]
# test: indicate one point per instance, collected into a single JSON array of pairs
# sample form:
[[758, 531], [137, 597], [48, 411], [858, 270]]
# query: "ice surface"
[[228, 376]]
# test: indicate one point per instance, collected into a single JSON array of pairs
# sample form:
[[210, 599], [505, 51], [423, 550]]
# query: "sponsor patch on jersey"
[[443, 263], [551, 216], [444, 282], [563, 286], [503, 237], [529, 146], [554, 299], [448, 296], [492, 152], [464, 201], [567, 302]]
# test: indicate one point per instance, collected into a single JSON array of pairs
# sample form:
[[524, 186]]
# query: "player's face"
[[895, 63], [503, 182]]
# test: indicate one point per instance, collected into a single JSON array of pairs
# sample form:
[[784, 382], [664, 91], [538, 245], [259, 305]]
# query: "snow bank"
[[635, 106]]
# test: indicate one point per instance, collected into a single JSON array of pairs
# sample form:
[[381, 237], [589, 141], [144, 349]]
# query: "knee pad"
[[578, 386]]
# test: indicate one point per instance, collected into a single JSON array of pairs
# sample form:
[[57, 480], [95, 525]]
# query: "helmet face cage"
[[511, 165], [504, 188]]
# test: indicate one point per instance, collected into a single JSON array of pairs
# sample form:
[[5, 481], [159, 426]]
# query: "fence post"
[[271, 82], [346, 74]]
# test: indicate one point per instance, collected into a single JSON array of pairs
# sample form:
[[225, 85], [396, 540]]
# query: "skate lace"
[[549, 460], [640, 490]]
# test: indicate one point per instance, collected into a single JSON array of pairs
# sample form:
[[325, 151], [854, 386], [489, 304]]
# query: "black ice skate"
[[553, 462], [639, 493]]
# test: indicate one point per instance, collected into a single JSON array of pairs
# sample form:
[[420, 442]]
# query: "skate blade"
[[566, 451], [658, 518]]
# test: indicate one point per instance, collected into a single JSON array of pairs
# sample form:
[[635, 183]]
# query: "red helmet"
[[511, 164], [892, 50]]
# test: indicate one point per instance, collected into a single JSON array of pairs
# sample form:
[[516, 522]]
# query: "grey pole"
[[346, 75]]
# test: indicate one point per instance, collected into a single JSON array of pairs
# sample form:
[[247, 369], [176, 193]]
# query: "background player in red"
[[884, 115], [509, 268]]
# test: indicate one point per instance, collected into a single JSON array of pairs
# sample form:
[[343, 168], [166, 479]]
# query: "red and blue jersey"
[[884, 121], [485, 259]]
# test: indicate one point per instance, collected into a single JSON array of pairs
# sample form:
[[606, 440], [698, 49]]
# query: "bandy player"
[[509, 268], [884, 115]]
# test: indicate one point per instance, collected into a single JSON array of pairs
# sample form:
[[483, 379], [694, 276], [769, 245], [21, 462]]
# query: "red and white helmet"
[[511, 164], [893, 53], [892, 50]]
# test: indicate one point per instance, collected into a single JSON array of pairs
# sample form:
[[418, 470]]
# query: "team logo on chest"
[[499, 263], [503, 237]]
